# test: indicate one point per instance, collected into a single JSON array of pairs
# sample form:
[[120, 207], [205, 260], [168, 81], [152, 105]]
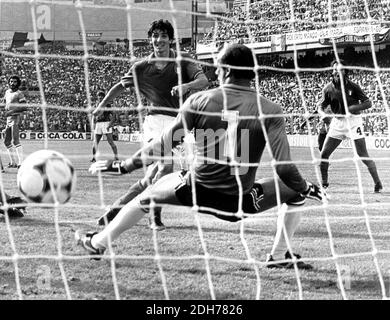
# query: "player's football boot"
[[299, 200], [93, 160], [108, 216], [156, 223], [84, 240], [378, 187], [13, 213], [12, 165], [325, 186], [271, 263], [21, 204]]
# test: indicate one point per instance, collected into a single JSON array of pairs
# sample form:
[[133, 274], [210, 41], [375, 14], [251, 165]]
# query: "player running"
[[357, 101], [228, 119], [104, 121], [158, 81], [13, 98]]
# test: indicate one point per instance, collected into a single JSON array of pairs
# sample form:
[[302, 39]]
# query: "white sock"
[[11, 155], [19, 154], [129, 215], [291, 221]]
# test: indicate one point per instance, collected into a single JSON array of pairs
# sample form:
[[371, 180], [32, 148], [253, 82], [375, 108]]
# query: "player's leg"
[[112, 144], [287, 222], [16, 142], [1, 166], [163, 169], [321, 139], [9, 146], [131, 193], [163, 192], [95, 145], [362, 152], [330, 145]]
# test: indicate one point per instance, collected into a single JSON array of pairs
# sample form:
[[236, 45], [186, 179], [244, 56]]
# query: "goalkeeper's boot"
[[325, 186], [108, 216], [156, 223], [271, 263], [84, 240], [378, 187]]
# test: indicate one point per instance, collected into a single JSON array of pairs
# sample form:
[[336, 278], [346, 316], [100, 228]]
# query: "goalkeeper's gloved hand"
[[314, 192], [108, 165]]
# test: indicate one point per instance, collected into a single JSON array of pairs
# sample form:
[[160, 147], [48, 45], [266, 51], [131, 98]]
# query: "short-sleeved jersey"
[[156, 85], [204, 113], [332, 95], [105, 116], [13, 97]]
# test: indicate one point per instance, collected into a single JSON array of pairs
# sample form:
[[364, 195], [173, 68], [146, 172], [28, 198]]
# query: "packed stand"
[[269, 17]]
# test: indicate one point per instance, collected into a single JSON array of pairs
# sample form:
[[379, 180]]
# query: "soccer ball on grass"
[[46, 176]]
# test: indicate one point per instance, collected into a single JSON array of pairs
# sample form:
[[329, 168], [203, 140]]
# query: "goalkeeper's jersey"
[[236, 133], [156, 84]]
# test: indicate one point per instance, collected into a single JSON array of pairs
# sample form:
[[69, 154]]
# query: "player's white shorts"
[[101, 128], [339, 128], [154, 125]]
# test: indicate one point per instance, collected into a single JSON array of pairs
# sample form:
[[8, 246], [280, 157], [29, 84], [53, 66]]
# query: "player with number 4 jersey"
[[335, 94], [227, 129]]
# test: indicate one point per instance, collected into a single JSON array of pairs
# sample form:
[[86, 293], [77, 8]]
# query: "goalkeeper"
[[217, 184], [157, 80]]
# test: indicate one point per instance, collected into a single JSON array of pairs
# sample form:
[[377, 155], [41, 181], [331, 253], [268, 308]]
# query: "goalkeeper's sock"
[[123, 221], [291, 221]]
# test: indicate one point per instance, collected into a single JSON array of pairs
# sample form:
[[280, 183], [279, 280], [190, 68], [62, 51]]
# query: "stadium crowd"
[[63, 75], [268, 17]]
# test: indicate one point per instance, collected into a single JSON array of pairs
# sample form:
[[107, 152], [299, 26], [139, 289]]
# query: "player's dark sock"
[[373, 171], [324, 166]]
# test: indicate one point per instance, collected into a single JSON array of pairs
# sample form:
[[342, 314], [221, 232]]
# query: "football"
[[46, 176]]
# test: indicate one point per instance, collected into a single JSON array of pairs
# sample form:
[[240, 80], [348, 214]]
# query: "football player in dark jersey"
[[229, 142], [157, 78], [345, 98]]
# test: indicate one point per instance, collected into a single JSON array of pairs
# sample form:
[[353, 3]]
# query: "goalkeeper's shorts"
[[209, 198]]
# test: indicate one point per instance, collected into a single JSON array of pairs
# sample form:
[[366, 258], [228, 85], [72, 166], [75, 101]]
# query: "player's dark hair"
[[239, 55], [101, 93], [163, 25], [342, 62], [18, 81]]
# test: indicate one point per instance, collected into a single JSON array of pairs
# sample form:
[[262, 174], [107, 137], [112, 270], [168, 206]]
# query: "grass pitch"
[[40, 260]]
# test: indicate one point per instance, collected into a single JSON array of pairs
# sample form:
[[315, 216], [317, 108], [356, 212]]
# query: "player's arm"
[[157, 148], [324, 103], [365, 102], [114, 92], [199, 80], [280, 148], [17, 108]]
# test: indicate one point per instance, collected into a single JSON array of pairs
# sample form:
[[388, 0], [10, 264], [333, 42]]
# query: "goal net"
[[67, 51]]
